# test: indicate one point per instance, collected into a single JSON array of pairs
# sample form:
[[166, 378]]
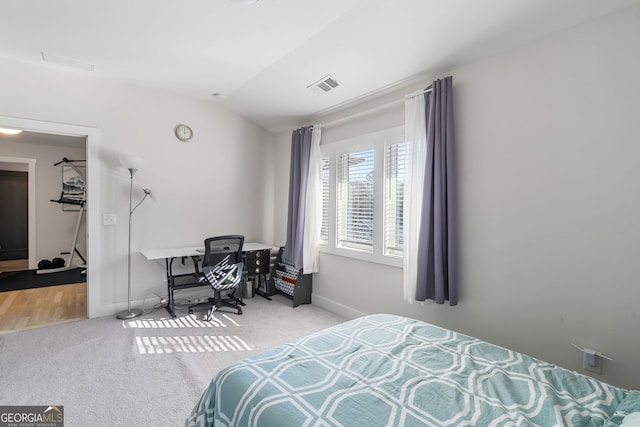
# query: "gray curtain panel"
[[437, 261], [298, 177]]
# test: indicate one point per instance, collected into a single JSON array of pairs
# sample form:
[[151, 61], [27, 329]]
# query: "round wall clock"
[[183, 132]]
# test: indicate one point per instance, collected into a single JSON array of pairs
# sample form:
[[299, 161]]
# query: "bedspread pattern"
[[384, 370]]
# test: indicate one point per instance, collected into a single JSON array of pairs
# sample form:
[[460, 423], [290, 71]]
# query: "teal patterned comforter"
[[385, 370]]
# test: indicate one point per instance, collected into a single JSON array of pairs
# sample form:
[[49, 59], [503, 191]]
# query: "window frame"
[[376, 141]]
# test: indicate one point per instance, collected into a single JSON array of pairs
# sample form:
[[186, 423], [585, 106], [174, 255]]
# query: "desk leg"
[[258, 291], [170, 283]]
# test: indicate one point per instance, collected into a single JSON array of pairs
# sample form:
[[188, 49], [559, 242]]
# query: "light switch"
[[109, 219]]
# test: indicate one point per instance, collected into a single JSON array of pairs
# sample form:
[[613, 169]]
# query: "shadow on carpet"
[[28, 279]]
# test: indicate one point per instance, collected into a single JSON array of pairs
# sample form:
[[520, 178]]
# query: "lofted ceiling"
[[261, 57]]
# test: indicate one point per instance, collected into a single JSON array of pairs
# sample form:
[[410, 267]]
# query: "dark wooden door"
[[14, 215]]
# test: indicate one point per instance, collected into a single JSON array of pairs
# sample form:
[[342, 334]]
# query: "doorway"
[[26, 165], [14, 215], [54, 223], [29, 300], [93, 230]]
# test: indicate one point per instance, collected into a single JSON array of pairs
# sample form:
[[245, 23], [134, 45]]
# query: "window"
[[355, 200], [394, 159], [324, 229], [362, 192]]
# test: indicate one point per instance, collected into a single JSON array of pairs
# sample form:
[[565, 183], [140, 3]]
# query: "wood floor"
[[14, 265], [32, 308]]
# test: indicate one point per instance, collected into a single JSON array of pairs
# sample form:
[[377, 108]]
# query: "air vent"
[[324, 85]]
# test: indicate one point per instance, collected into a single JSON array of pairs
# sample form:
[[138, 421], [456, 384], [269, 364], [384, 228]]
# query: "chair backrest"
[[218, 248], [222, 263]]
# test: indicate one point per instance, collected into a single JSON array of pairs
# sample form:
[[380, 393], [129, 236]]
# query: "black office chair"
[[222, 268]]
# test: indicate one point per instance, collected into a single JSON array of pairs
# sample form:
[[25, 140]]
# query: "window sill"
[[362, 256]]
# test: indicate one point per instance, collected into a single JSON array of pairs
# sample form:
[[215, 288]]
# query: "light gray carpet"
[[147, 372]]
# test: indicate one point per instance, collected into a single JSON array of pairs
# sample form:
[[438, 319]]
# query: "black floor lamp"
[[132, 164]]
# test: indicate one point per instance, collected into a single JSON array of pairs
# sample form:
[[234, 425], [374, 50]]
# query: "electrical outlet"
[[109, 219], [592, 362]]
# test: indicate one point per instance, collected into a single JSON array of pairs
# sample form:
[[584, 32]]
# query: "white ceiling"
[[263, 56]]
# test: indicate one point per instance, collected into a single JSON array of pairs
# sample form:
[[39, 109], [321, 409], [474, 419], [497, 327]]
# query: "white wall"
[[54, 227], [547, 153], [10, 166], [214, 184]]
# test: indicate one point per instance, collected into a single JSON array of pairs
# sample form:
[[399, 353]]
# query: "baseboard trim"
[[152, 299], [317, 300], [336, 307]]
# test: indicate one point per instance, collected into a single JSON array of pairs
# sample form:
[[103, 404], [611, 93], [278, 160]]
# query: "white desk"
[[189, 251], [190, 280]]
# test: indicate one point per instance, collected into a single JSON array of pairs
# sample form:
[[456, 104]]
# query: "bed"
[[386, 370]]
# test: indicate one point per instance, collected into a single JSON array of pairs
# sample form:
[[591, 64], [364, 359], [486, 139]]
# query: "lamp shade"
[[153, 194], [131, 162]]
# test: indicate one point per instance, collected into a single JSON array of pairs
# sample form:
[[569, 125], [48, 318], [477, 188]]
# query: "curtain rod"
[[418, 92], [373, 110]]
